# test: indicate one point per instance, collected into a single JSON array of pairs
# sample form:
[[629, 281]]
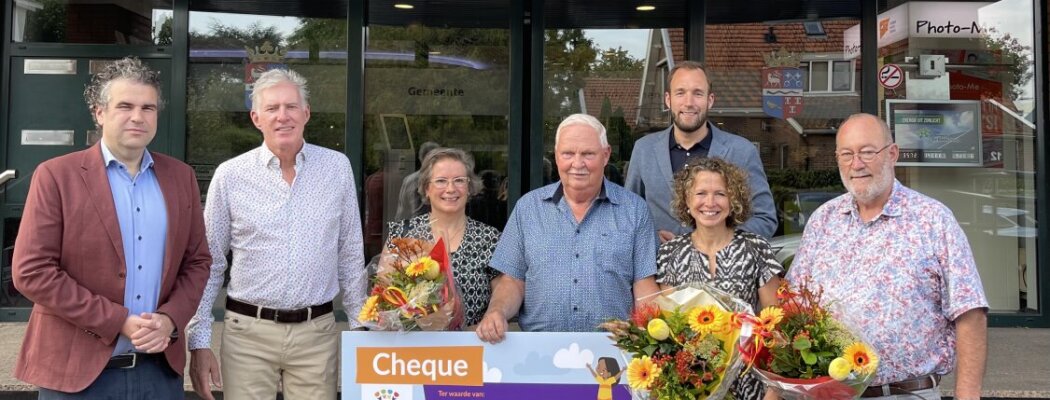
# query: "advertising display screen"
[[936, 133]]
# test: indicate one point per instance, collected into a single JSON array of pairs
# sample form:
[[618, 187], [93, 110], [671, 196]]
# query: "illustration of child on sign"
[[607, 374]]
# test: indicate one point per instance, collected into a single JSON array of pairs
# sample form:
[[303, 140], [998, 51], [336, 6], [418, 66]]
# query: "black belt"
[[283, 316], [130, 360], [903, 387]]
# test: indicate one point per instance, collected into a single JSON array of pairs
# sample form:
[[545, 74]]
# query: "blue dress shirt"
[[143, 218], [577, 275]]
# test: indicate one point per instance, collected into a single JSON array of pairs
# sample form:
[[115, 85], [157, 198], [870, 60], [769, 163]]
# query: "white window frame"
[[830, 60], [661, 82]]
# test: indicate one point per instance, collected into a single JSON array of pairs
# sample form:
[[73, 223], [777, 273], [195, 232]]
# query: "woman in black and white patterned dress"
[[712, 196], [446, 182]]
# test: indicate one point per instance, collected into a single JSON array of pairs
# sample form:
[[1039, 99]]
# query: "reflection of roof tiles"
[[735, 61], [735, 55], [742, 45], [621, 92]]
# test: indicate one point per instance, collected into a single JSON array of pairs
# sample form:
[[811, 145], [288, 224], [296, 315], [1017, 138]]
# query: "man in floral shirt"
[[896, 266]]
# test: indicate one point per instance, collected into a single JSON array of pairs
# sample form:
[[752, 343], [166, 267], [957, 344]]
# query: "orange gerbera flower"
[[862, 357], [707, 319], [642, 372], [420, 266], [370, 311], [770, 317]]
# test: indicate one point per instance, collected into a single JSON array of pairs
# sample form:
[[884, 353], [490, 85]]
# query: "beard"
[[683, 126], [881, 183]]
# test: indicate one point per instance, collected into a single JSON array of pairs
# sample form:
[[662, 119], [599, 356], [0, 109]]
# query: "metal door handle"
[[7, 175]]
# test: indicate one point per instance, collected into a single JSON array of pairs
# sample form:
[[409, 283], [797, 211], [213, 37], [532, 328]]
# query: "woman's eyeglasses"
[[442, 183]]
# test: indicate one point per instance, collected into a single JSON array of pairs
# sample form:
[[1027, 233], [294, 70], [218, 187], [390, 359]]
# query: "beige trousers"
[[258, 353]]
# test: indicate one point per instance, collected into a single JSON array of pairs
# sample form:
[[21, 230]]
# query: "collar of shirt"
[[108, 158], [266, 158], [894, 206], [704, 143], [554, 193]]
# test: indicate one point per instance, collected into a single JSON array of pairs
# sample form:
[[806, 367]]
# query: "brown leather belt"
[[903, 387], [130, 360], [282, 316]]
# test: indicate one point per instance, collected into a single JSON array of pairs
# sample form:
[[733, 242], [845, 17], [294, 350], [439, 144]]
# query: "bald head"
[[867, 123]]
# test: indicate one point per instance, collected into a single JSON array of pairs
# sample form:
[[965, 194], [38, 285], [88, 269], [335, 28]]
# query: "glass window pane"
[[601, 72], [842, 76], [819, 76], [81, 21], [988, 175], [227, 52], [427, 87], [805, 76], [795, 135]]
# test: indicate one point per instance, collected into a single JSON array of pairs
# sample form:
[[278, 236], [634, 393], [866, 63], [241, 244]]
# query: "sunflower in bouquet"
[[684, 346], [801, 350], [413, 289]]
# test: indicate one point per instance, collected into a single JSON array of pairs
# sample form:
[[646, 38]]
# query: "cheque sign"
[[456, 365]]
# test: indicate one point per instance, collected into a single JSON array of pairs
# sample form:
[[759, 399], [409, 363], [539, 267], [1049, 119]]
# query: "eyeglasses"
[[459, 183], [866, 156]]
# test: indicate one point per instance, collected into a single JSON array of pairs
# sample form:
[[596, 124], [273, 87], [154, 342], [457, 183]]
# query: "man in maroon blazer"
[[112, 252]]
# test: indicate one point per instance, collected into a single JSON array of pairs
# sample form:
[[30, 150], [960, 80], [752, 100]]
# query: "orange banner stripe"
[[452, 365]]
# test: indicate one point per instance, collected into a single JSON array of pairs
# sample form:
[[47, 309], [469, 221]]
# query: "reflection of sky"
[[1010, 16], [202, 22], [634, 41], [1013, 17]]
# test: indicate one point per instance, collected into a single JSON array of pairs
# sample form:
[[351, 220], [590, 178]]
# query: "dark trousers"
[[151, 379]]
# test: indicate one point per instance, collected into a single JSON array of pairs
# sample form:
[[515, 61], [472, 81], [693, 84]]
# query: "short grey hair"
[[276, 77], [447, 153], [96, 94], [585, 120]]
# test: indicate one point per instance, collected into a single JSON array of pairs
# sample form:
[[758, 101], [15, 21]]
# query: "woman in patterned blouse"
[[446, 182], [712, 196]]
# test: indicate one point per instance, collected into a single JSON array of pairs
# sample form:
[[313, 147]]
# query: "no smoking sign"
[[891, 76]]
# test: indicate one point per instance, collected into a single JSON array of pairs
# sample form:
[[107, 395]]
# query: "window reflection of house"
[[89, 22], [735, 58]]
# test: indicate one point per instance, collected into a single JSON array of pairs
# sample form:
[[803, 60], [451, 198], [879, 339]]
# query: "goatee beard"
[[701, 120]]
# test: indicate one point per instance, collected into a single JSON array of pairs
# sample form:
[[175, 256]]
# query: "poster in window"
[[936, 133]]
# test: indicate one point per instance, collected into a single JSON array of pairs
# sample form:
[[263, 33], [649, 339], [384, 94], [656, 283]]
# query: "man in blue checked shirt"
[[576, 252]]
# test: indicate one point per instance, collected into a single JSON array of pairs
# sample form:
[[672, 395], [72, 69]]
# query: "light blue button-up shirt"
[[143, 218], [577, 275]]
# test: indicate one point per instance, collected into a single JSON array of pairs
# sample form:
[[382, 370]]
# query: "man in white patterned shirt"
[[288, 212]]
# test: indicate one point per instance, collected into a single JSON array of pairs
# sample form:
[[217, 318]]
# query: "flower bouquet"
[[413, 289], [683, 344], [801, 351]]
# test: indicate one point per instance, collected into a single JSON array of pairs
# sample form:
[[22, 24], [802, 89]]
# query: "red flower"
[[642, 315]]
